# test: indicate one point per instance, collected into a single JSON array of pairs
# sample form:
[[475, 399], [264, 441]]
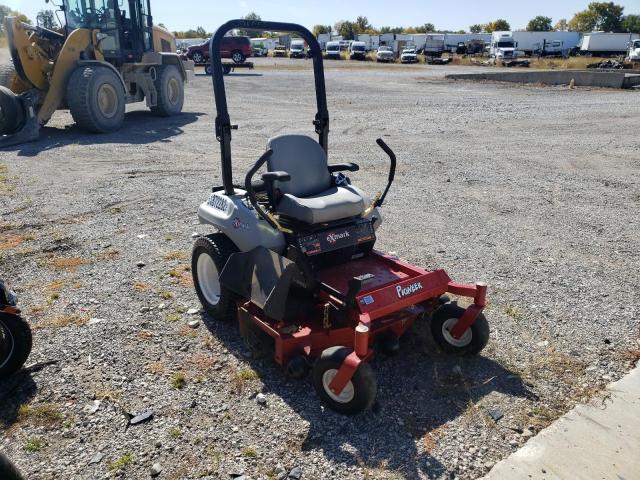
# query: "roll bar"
[[223, 121]]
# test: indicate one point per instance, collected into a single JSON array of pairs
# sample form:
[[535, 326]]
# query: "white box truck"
[[532, 42], [606, 44]]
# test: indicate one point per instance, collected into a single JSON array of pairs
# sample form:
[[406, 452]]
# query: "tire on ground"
[[170, 87], [218, 248], [96, 99], [363, 386], [18, 341], [473, 340], [12, 112]]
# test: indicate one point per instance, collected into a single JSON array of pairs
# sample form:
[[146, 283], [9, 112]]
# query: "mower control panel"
[[326, 241]]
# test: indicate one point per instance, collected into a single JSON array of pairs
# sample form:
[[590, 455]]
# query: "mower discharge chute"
[[294, 259]]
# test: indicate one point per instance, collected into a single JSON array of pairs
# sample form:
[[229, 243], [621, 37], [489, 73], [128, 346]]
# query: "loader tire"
[[96, 99], [170, 87], [8, 75], [12, 112]]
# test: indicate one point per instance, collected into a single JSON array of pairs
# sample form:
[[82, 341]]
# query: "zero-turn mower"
[[294, 258], [107, 54]]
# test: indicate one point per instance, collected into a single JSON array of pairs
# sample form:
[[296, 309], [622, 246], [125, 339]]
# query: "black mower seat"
[[309, 196]]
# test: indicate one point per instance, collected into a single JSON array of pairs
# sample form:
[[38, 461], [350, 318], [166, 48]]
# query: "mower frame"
[[354, 304]]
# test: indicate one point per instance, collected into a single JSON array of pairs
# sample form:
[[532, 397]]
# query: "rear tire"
[[170, 87], [360, 392], [96, 99], [15, 343], [472, 341], [8, 75], [210, 255], [197, 58]]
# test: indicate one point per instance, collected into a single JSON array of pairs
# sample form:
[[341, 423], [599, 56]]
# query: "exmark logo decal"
[[334, 237], [408, 290]]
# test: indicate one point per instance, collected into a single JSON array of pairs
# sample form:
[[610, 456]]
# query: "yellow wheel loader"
[[107, 54]]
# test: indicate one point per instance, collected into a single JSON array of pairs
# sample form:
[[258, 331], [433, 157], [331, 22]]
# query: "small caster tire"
[[472, 341], [360, 392]]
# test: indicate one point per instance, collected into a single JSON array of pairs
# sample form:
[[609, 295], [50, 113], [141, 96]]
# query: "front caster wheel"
[[470, 343], [210, 255], [360, 392]]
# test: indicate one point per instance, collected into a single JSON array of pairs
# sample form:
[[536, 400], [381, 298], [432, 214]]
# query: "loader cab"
[[126, 26]]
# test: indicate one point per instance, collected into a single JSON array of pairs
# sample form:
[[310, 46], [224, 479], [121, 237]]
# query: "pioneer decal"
[[332, 238], [408, 290], [218, 203]]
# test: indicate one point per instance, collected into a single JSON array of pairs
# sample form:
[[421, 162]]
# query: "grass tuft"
[[40, 415], [33, 445], [249, 452], [121, 462], [179, 380]]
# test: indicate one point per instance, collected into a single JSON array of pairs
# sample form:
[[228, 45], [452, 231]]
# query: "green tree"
[[499, 25], [319, 29], [7, 12], [539, 24], [201, 33], [252, 16], [47, 19], [562, 25], [347, 29], [631, 24], [426, 28], [601, 16], [362, 24], [477, 28]]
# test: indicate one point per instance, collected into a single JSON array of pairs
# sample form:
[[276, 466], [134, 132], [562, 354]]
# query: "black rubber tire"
[[12, 112], [197, 58], [82, 98], [208, 69], [226, 69], [479, 331], [364, 382], [7, 75], [237, 56], [8, 470], [20, 343], [219, 247], [166, 75]]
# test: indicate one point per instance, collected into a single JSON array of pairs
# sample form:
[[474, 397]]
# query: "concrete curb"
[[581, 78], [600, 441]]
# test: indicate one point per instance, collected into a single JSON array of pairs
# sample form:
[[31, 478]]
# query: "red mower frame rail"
[[390, 302]]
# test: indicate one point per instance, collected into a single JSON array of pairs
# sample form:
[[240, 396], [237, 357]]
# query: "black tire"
[[208, 69], [12, 112], [8, 75], [226, 69], [219, 248], [471, 343], [170, 87], [15, 343], [363, 383], [237, 56], [8, 470], [197, 58], [96, 99]]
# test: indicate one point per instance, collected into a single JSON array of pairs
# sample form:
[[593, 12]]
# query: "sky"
[[456, 15]]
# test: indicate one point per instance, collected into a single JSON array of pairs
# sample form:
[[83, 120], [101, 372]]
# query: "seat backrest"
[[304, 159]]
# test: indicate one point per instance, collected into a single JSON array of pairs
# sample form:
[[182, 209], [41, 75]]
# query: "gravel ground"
[[533, 190]]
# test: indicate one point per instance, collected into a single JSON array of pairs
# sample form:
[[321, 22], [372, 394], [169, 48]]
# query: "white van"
[[332, 50], [358, 51]]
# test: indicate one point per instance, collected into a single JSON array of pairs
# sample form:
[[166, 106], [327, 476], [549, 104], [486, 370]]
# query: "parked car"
[[385, 54], [358, 51], [235, 48], [409, 55], [280, 51], [332, 50], [259, 50], [296, 49]]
